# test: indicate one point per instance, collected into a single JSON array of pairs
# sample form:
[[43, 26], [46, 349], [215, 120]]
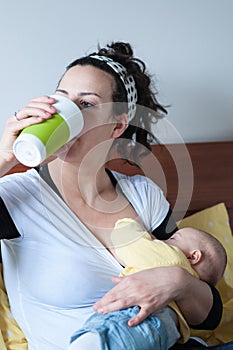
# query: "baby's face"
[[185, 240]]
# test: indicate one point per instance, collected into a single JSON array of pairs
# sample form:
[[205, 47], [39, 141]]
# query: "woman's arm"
[[195, 299], [7, 159], [153, 289]]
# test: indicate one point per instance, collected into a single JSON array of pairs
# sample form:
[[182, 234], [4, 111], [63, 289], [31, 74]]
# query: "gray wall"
[[187, 45]]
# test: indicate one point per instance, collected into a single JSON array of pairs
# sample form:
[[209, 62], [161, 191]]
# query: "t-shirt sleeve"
[[154, 209], [8, 229], [166, 228], [157, 206], [146, 197], [215, 314]]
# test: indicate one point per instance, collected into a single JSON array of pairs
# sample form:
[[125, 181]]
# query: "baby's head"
[[205, 253]]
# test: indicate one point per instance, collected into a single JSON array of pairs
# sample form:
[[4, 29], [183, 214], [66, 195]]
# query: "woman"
[[57, 220]]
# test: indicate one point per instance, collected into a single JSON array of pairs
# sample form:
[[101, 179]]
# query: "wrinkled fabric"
[[115, 334]]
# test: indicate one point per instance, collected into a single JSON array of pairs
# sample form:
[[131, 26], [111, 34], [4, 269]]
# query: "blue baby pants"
[[115, 334]]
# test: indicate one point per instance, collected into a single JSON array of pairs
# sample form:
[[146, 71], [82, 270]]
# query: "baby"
[[197, 251], [189, 248]]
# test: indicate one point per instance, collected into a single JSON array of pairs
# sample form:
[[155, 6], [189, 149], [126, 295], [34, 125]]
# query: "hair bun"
[[119, 49]]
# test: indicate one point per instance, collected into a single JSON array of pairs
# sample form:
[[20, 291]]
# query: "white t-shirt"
[[56, 270]]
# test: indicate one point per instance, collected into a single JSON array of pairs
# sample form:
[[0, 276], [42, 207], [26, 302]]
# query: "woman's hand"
[[150, 289], [153, 289], [35, 112]]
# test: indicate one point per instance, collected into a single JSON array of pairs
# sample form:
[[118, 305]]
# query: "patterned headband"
[[128, 82]]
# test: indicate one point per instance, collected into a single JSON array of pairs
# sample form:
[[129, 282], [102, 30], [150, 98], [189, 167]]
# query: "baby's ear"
[[194, 256]]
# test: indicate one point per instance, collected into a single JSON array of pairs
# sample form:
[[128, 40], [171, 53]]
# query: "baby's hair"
[[215, 259]]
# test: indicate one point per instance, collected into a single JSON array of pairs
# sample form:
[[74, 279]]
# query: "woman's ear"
[[194, 256], [120, 125]]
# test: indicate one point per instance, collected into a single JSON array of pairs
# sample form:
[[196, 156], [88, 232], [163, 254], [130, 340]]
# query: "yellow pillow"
[[215, 220], [11, 336]]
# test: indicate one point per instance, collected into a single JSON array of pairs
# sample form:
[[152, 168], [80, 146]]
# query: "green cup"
[[39, 141]]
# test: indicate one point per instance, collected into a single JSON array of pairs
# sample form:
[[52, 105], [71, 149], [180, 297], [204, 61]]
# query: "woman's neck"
[[89, 183]]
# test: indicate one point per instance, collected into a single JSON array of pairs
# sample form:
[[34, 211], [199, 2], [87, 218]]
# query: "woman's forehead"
[[88, 79], [89, 75]]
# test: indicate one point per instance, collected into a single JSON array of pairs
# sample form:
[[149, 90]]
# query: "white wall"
[[187, 45]]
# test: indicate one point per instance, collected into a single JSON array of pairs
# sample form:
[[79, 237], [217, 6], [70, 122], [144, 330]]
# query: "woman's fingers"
[[143, 313], [14, 126], [42, 99], [37, 110], [27, 112], [117, 299], [41, 107]]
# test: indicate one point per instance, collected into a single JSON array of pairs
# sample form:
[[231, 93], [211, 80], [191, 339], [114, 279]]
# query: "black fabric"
[[8, 229], [191, 344], [215, 314], [166, 228], [45, 175], [194, 345], [111, 176]]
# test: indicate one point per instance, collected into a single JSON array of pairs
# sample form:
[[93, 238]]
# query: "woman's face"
[[91, 89]]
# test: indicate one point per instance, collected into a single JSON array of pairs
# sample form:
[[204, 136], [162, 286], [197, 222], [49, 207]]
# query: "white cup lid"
[[29, 150]]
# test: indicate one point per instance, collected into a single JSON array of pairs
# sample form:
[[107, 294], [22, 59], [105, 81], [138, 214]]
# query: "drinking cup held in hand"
[[39, 141]]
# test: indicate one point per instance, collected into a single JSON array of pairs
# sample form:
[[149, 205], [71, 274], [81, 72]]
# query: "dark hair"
[[138, 133]]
